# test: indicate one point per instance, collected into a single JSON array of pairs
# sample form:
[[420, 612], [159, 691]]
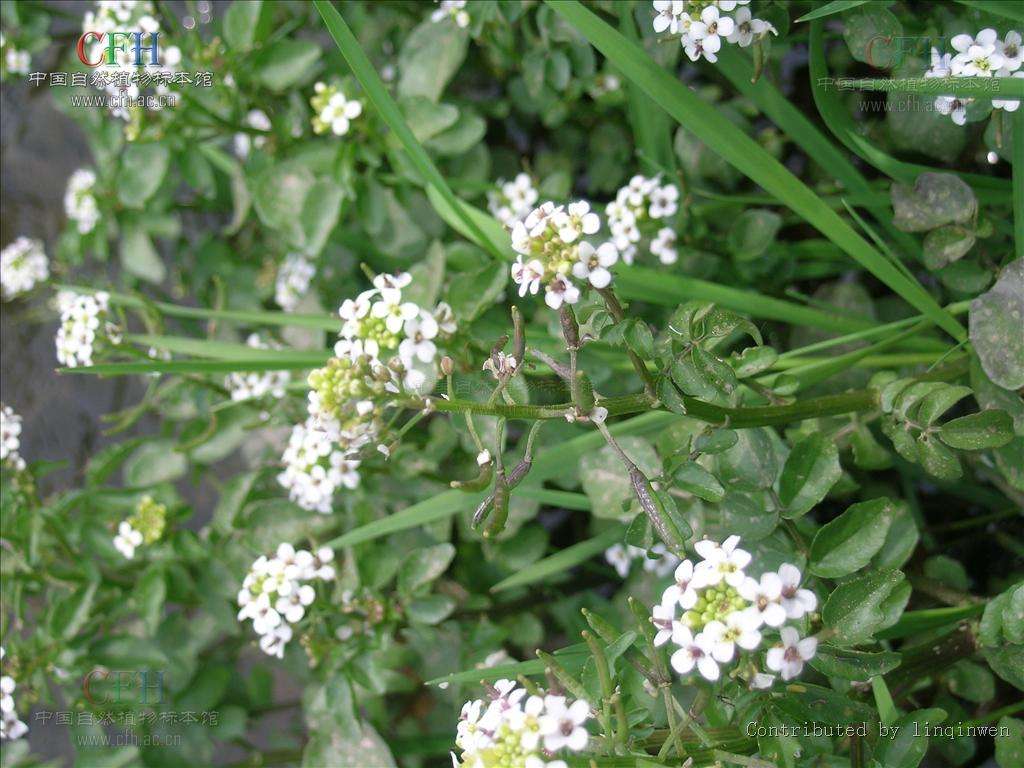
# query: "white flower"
[[693, 652], [484, 458], [418, 343], [293, 279], [953, 106], [1011, 50], [394, 311], [444, 316], [709, 29], [513, 200], [577, 219], [127, 539], [669, 12], [722, 562], [23, 263], [664, 201], [1010, 105], [739, 629], [664, 618], [250, 385], [18, 62], [593, 263], [790, 657], [761, 681], [663, 246], [292, 606], [10, 438], [453, 9], [273, 642], [527, 275], [942, 64], [684, 591], [765, 596], [617, 557], [560, 291], [745, 27], [243, 142], [562, 726], [79, 202], [794, 600]]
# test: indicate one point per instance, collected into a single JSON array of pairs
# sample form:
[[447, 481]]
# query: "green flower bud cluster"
[[714, 603], [149, 519]]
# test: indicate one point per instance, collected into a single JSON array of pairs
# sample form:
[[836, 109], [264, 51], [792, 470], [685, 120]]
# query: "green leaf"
[[995, 323], [872, 34], [320, 211], [853, 665], [728, 141], [810, 471], [806, 703], [752, 233], [473, 292], [848, 543], [154, 462], [143, 167], [429, 58], [329, 747], [286, 64], [934, 200], [985, 429], [693, 478], [139, 257], [1009, 742], [423, 566], [562, 561], [937, 460], [71, 612], [936, 403], [854, 609], [947, 244], [907, 747], [971, 681], [127, 652], [605, 479], [240, 22], [148, 596], [430, 609]]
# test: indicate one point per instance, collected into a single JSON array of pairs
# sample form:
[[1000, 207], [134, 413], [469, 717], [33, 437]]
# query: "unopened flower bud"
[[447, 365]]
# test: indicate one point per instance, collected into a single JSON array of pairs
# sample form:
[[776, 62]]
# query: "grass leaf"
[[734, 146], [563, 560]]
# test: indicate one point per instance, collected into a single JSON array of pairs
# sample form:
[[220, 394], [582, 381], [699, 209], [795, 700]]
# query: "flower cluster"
[[10, 726], [723, 610], [635, 213], [293, 279], [114, 16], [551, 252], [514, 729], [621, 558], [702, 25], [984, 55], [243, 142], [15, 62], [144, 526], [83, 323], [451, 9], [332, 111], [275, 594], [23, 263], [80, 201], [512, 200], [10, 438], [314, 467], [250, 385]]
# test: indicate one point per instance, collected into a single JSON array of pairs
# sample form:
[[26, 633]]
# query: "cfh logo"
[[144, 686], [117, 43]]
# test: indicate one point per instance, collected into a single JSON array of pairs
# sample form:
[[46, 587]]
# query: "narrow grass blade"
[[222, 350], [883, 701], [1018, 182], [293, 362], [734, 146], [836, 6], [245, 317], [913, 623], [805, 134], [651, 127], [561, 561], [563, 499], [839, 122], [378, 95], [572, 657], [549, 463], [1002, 8]]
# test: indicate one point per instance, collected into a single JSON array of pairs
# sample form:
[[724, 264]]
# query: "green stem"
[[612, 302], [601, 663], [1018, 182]]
